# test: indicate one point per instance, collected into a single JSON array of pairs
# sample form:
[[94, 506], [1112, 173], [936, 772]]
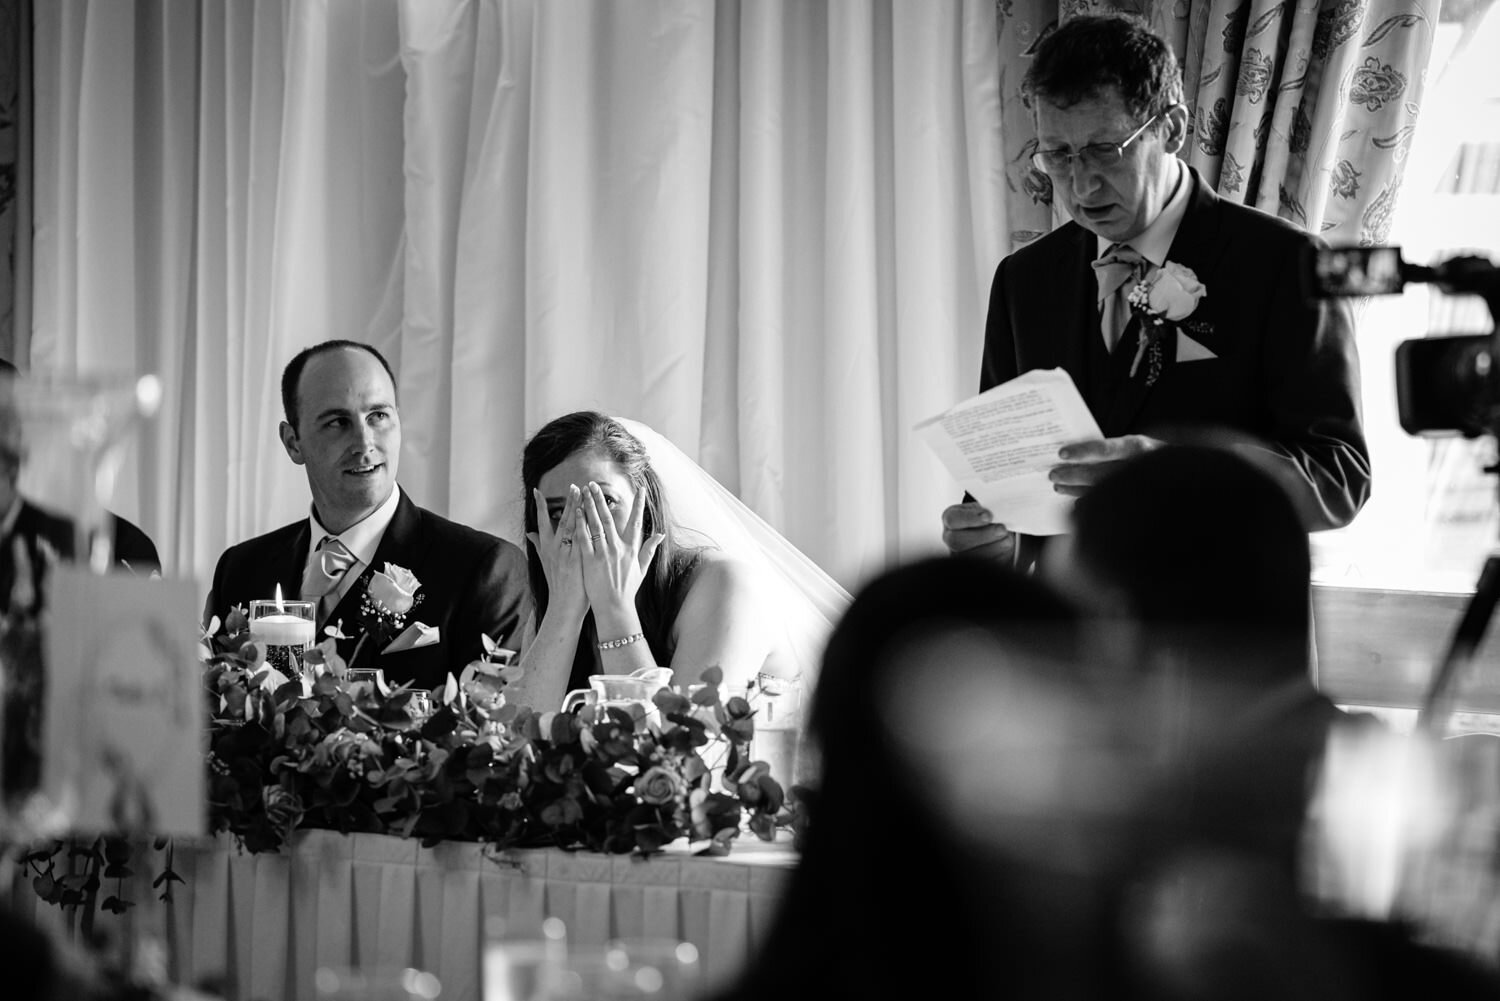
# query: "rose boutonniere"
[[390, 594], [1167, 295]]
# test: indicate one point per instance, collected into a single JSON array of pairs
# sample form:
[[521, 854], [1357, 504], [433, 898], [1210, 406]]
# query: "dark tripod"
[[1463, 645]]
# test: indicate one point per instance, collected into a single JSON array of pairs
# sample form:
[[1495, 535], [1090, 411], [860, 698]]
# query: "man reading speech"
[[343, 426], [1173, 310]]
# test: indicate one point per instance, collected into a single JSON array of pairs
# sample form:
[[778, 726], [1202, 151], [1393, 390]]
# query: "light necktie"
[[1116, 270], [327, 567]]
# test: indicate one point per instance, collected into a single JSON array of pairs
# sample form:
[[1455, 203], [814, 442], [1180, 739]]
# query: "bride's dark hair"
[[666, 583]]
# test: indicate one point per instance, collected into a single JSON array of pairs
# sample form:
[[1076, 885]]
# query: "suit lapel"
[[1080, 322], [292, 561], [399, 545], [1197, 235]]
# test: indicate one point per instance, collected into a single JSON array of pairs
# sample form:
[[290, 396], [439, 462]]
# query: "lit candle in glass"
[[286, 629]]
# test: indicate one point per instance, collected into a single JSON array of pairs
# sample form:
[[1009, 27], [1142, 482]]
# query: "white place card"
[[123, 723]]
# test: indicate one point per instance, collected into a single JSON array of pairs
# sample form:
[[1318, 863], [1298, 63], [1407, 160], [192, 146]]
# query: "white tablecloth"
[[264, 923]]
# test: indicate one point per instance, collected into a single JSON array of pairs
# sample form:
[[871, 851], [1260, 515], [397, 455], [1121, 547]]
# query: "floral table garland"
[[320, 751], [323, 751]]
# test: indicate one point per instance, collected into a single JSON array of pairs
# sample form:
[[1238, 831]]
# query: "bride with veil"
[[644, 560]]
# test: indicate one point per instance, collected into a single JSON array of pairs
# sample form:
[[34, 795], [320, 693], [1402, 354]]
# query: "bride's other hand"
[[614, 562], [559, 552]]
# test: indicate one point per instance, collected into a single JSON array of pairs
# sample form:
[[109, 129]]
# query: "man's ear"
[[1178, 124], [289, 442]]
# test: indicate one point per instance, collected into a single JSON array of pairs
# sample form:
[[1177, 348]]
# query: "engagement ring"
[[567, 542]]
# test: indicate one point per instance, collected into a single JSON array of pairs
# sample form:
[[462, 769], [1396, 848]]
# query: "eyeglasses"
[[1095, 156]]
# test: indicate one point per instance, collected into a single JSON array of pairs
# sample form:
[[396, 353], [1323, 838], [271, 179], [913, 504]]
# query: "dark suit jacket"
[[1286, 372], [134, 550], [471, 583]]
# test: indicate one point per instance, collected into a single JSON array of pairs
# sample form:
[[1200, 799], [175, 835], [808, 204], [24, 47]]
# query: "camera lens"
[[1446, 384]]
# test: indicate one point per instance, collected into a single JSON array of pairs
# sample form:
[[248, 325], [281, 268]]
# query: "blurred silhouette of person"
[[1197, 555], [878, 905], [31, 536], [997, 818], [1202, 557]]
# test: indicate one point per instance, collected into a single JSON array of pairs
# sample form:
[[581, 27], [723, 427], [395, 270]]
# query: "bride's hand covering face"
[[555, 542], [615, 556]]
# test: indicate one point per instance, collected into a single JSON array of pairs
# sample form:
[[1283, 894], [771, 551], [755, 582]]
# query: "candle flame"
[[279, 606]]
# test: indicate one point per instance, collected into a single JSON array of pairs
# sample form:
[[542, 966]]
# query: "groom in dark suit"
[[1243, 353], [343, 426]]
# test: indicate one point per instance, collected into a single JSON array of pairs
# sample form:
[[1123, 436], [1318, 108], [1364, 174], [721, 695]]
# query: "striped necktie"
[[1117, 271], [320, 581]]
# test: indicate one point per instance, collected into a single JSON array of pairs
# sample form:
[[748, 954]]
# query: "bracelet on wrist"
[[622, 641]]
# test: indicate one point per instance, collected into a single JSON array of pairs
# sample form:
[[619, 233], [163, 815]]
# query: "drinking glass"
[[372, 678], [287, 630], [778, 726], [419, 706]]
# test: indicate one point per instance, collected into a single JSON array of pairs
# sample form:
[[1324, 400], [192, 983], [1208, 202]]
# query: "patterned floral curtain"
[[1302, 108]]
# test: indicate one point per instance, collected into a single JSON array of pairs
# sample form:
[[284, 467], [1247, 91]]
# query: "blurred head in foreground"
[[1205, 554], [879, 905], [998, 819], [1197, 558]]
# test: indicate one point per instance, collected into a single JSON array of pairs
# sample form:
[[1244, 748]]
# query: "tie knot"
[[1116, 266], [329, 563]]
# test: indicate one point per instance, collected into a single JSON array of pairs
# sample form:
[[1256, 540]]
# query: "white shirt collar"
[[1155, 241], [363, 537]]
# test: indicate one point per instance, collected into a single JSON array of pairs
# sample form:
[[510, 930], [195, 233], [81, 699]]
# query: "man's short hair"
[[293, 372], [1090, 53]]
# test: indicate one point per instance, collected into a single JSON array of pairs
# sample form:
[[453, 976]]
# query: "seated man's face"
[[348, 435]]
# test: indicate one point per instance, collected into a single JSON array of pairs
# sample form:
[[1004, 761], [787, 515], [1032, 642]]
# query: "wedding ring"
[[596, 538]]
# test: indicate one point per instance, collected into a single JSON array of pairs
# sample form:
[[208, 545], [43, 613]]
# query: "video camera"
[[1444, 384]]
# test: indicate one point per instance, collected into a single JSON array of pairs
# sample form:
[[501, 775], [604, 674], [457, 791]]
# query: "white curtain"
[[766, 228]]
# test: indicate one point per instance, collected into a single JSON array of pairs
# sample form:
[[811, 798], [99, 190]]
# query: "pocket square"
[[418, 634], [1190, 350]]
